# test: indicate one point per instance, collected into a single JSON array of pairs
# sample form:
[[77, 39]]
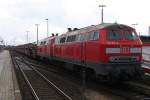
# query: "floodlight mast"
[[27, 36], [134, 25], [47, 27], [102, 13], [37, 25]]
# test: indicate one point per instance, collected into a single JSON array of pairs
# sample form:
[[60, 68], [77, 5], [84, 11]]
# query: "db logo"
[[125, 50]]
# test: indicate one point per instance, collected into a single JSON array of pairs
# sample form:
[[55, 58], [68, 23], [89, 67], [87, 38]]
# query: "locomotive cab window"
[[78, 38], [62, 40], [130, 35], [94, 36], [113, 35], [91, 36], [82, 37], [73, 38], [69, 39]]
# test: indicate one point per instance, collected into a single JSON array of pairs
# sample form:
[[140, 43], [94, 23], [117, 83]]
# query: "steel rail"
[[119, 94], [145, 89], [28, 82], [49, 82], [107, 89]]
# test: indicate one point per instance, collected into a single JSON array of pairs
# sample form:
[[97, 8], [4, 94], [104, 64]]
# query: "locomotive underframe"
[[114, 71], [119, 71]]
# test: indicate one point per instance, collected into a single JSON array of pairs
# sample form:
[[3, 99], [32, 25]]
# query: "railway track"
[[63, 85], [41, 87], [128, 90], [125, 91], [134, 91], [142, 88]]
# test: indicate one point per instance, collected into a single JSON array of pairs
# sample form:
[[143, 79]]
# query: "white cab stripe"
[[135, 50], [112, 50]]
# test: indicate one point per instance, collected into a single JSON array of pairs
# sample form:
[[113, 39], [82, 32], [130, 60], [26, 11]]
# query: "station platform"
[[9, 89], [146, 58]]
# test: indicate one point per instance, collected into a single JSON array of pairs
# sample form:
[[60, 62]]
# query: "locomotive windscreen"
[[130, 35], [113, 35], [122, 34]]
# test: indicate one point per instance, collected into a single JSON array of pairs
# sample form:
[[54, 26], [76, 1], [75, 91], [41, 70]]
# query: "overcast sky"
[[19, 16]]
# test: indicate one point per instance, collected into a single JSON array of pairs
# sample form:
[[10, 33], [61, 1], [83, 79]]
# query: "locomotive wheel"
[[46, 60], [90, 74], [139, 75], [107, 79], [103, 78]]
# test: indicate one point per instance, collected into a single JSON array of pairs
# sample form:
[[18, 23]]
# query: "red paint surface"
[[92, 50]]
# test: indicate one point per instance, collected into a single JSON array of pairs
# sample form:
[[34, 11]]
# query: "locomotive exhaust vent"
[[69, 29]]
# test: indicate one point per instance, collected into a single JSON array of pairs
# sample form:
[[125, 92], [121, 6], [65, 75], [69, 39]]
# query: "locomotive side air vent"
[[69, 29]]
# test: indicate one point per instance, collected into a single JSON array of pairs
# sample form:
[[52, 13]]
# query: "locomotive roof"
[[46, 39], [91, 28], [97, 27]]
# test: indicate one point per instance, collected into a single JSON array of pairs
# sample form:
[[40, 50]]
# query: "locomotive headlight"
[[135, 50], [112, 50]]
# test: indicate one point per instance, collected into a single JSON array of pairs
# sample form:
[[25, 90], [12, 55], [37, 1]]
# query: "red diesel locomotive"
[[110, 51]]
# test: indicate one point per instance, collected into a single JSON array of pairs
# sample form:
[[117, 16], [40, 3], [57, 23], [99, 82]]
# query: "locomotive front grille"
[[123, 59]]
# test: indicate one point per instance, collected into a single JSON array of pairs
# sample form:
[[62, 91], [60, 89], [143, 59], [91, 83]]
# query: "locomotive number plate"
[[125, 50]]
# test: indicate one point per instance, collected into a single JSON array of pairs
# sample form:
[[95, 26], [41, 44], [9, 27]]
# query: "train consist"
[[109, 51]]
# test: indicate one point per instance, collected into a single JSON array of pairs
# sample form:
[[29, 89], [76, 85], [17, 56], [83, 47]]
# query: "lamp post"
[[47, 26], [102, 14], [134, 25], [37, 25], [14, 41], [27, 37]]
